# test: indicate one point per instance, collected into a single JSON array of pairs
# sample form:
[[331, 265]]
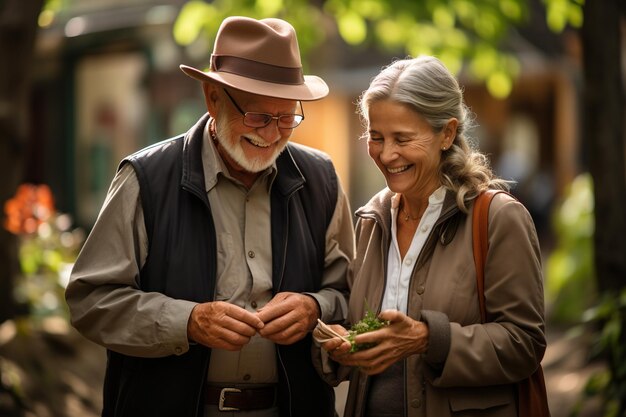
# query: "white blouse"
[[399, 270]]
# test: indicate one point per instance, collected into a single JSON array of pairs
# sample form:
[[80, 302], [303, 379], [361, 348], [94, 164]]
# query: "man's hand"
[[222, 325], [288, 317]]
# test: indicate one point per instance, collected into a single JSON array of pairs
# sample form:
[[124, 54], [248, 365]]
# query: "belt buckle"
[[223, 392]]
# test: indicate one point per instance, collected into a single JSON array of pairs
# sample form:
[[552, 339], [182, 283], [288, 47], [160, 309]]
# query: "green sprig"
[[367, 324]]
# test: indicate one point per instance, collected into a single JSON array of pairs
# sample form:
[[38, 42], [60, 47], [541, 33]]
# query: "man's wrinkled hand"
[[222, 325], [288, 317]]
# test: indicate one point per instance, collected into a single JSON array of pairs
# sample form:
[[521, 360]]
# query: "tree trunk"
[[18, 27], [604, 135]]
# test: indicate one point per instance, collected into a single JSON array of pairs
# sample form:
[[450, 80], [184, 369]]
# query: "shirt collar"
[[436, 198]]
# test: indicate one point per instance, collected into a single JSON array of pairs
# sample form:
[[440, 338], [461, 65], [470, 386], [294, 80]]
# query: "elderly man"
[[216, 251]]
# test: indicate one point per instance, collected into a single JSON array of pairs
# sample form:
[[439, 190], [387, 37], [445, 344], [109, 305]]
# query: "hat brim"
[[314, 88]]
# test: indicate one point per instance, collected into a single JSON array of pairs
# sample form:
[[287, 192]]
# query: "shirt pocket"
[[232, 272]]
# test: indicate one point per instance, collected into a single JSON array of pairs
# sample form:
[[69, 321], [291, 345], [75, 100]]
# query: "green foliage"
[[368, 323], [570, 283], [560, 13], [457, 31], [572, 293], [198, 21], [608, 320], [47, 249], [46, 257]]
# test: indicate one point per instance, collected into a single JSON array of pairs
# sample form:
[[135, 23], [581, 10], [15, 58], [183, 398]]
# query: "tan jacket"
[[469, 367]]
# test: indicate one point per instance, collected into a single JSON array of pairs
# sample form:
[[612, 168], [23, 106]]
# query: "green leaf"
[[512, 9], [368, 323], [499, 84], [269, 7], [191, 20], [352, 27]]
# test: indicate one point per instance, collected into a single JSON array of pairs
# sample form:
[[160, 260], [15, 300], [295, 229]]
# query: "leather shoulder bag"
[[532, 398]]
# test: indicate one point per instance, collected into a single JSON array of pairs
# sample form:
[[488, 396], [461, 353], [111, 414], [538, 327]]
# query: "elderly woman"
[[414, 266]]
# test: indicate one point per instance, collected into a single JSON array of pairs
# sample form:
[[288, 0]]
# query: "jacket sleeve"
[[511, 345], [332, 297], [105, 301]]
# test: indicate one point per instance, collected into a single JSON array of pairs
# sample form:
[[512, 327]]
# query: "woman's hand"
[[401, 338], [335, 346]]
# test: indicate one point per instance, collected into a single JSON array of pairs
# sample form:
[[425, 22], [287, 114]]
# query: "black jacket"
[[181, 263]]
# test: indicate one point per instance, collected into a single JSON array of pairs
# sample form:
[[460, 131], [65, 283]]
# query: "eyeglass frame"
[[270, 117]]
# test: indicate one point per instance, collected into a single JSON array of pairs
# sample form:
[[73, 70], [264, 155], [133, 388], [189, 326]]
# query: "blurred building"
[[107, 83]]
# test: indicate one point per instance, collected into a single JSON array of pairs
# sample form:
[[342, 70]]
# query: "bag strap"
[[532, 399], [480, 243]]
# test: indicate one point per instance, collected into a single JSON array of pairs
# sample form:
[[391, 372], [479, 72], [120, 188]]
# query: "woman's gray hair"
[[426, 85]]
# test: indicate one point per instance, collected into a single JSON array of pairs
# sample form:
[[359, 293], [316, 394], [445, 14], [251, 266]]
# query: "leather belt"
[[235, 399]]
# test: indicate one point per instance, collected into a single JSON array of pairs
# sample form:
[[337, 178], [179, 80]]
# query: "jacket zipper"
[[205, 365], [280, 284]]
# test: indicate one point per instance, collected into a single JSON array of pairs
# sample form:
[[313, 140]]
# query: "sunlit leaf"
[[191, 20], [484, 62], [488, 25], [443, 17], [427, 35], [389, 33], [352, 28], [465, 9], [557, 14], [269, 7], [371, 9], [560, 268], [512, 9], [575, 16], [455, 39], [46, 18]]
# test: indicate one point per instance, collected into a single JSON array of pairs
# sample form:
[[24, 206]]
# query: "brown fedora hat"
[[260, 57]]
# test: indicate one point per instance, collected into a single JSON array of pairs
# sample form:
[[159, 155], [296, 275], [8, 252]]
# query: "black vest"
[[181, 263]]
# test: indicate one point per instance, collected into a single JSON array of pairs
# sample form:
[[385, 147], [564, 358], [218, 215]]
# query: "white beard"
[[236, 152]]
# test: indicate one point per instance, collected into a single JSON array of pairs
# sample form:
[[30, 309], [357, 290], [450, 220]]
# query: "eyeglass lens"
[[253, 119], [286, 121]]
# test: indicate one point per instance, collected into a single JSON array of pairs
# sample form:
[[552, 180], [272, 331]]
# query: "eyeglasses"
[[258, 120]]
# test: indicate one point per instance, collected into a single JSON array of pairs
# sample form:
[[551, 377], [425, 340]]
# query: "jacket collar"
[[193, 172], [379, 207]]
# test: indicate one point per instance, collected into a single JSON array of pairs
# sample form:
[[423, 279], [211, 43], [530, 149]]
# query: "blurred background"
[[84, 83]]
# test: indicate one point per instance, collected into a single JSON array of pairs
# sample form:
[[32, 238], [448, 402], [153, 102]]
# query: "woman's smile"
[[398, 170]]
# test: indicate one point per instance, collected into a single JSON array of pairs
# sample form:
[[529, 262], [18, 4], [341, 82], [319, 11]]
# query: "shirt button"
[[416, 403], [424, 228], [246, 377], [251, 254], [420, 290], [178, 350], [408, 261], [253, 304]]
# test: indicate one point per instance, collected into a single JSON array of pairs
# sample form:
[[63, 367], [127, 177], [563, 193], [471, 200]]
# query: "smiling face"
[[405, 148], [247, 150]]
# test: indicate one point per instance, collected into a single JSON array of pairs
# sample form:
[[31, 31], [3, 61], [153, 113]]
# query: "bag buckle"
[[223, 392]]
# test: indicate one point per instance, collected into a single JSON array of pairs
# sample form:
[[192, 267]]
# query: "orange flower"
[[31, 206]]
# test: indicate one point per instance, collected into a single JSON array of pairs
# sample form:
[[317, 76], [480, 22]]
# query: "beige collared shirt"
[[244, 264], [104, 295]]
